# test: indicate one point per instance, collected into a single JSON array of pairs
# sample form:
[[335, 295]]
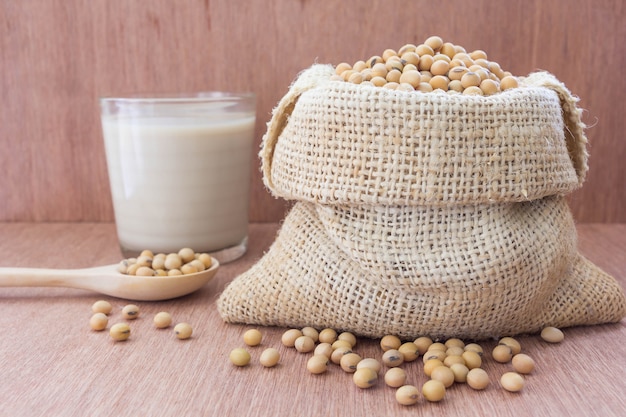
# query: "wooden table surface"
[[52, 363]]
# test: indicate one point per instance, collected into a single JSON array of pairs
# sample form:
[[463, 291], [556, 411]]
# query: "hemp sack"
[[424, 214]]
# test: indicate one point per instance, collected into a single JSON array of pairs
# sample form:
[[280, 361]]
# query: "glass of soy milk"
[[179, 171]]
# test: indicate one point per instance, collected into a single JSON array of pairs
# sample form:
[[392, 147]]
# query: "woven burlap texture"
[[424, 214]]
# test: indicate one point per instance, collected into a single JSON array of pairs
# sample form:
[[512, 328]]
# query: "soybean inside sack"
[[424, 214]]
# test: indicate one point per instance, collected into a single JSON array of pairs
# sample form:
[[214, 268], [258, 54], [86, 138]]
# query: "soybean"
[[434, 354], [472, 359], [437, 346], [183, 331], [186, 255], [325, 349], [130, 312], [423, 343], [390, 342], [341, 343], [289, 337], [158, 262], [430, 365], [454, 351], [523, 363], [349, 362], [304, 344], [410, 351], [552, 335], [452, 359], [120, 332], [99, 321], [393, 357], [269, 357], [460, 372], [348, 337], [198, 264], [187, 269], [508, 82], [173, 261], [512, 381], [433, 390], [512, 343], [205, 258], [474, 347], [444, 375], [239, 357], [454, 342], [371, 363], [145, 271], [162, 320], [407, 395], [252, 337], [502, 353], [327, 336], [434, 42], [144, 260], [477, 378], [338, 353], [317, 364], [395, 377], [102, 306], [365, 378], [311, 332]]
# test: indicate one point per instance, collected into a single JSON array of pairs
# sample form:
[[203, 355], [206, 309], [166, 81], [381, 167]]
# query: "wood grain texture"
[[53, 364], [58, 56]]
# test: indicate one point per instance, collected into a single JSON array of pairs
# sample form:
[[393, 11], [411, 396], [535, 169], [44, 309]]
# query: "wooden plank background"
[[58, 56]]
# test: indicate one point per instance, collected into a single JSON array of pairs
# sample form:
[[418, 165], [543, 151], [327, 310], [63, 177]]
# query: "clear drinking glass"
[[179, 171]]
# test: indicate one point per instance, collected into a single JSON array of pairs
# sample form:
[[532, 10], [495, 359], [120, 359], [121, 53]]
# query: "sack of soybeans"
[[429, 190]]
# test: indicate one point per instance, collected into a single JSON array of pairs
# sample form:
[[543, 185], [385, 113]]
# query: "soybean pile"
[[432, 66], [185, 261], [121, 331], [445, 363]]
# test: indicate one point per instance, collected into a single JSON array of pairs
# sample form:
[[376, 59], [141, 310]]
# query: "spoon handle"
[[41, 277]]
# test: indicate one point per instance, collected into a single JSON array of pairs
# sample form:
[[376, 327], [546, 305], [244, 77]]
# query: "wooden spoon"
[[106, 280]]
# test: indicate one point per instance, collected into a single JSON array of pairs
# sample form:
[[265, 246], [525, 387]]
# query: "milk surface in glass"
[[179, 176]]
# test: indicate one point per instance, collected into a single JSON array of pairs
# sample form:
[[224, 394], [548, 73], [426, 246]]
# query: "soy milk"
[[180, 181]]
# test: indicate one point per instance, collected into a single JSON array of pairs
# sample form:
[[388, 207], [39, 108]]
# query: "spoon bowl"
[[106, 280]]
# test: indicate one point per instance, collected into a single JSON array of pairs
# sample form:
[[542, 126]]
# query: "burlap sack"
[[424, 214]]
